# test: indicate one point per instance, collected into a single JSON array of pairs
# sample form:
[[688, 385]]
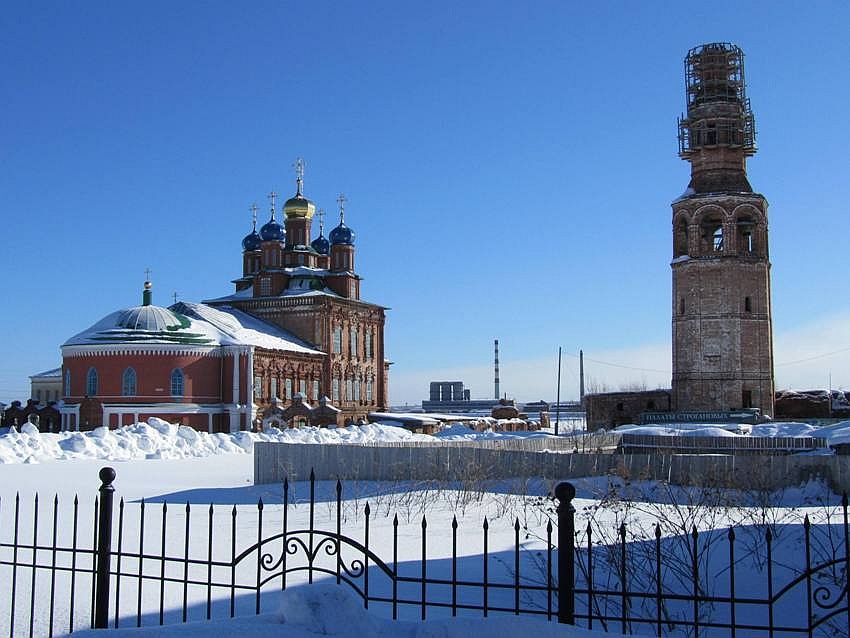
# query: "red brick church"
[[293, 339]]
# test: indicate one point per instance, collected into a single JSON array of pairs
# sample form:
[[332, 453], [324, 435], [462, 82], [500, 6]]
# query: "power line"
[[817, 356], [618, 365]]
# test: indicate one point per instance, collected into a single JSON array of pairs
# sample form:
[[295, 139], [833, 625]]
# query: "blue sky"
[[509, 169]]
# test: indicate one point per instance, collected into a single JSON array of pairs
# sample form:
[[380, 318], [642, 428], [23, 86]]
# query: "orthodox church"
[[293, 341]]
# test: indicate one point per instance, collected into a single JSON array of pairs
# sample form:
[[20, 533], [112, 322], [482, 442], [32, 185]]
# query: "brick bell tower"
[[722, 328]]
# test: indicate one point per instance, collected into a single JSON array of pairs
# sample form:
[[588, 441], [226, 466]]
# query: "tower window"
[[682, 306], [91, 382], [128, 383], [717, 239], [352, 342], [748, 304]]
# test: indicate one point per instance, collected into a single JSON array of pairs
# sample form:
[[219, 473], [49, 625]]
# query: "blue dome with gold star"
[[272, 231], [342, 234], [252, 241]]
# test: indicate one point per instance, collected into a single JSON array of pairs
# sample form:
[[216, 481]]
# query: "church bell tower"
[[722, 328]]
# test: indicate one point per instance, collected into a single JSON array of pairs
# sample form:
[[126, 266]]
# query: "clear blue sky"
[[509, 168]]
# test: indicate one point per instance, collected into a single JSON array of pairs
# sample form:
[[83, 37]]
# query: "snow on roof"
[[48, 374], [240, 328], [197, 325]]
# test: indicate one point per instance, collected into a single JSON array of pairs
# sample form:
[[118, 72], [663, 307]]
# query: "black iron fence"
[[694, 584]]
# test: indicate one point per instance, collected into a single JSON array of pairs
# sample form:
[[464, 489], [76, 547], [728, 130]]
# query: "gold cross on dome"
[[273, 198], [341, 200], [299, 172]]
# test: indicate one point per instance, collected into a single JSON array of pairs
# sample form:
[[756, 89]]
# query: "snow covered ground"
[[162, 463]]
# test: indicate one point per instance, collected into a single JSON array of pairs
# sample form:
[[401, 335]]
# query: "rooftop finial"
[[254, 215], [146, 293], [341, 200], [175, 295], [273, 198], [321, 221], [299, 174]]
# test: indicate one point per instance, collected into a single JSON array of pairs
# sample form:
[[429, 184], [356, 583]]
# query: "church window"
[[128, 383], [91, 382], [369, 390], [352, 342], [748, 304], [315, 389], [335, 393], [265, 287], [337, 344], [681, 240], [274, 389], [177, 383], [288, 389], [302, 386], [682, 306], [349, 394], [67, 383], [368, 344], [357, 389], [258, 387]]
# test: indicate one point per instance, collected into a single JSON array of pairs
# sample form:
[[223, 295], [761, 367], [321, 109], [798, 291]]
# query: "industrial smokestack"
[[496, 395], [581, 377]]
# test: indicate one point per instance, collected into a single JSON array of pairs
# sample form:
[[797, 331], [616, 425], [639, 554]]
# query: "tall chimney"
[[581, 377], [497, 372]]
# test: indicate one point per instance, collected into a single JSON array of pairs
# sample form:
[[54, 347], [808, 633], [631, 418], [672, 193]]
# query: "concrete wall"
[[459, 462]]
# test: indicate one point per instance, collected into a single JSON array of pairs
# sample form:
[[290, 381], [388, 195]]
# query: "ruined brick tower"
[[722, 331]]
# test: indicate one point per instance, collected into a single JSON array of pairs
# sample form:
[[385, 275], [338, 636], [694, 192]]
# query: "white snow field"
[[184, 475]]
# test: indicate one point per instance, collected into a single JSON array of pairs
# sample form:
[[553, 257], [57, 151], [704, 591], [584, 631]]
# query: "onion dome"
[[321, 245], [299, 206], [342, 234], [272, 231], [252, 241]]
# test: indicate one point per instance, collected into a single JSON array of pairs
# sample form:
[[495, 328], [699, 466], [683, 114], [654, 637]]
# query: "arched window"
[[67, 383], [177, 383], [91, 382], [748, 304], [128, 383], [680, 243]]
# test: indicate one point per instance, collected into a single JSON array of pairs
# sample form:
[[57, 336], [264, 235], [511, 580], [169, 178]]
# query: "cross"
[[341, 200], [299, 173], [175, 297], [273, 197], [254, 214], [321, 220], [147, 274]]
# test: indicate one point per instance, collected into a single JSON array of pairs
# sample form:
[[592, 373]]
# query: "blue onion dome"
[[321, 245], [272, 231], [252, 241], [342, 234]]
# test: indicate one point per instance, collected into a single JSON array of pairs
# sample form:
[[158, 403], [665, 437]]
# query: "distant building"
[[46, 386], [452, 396]]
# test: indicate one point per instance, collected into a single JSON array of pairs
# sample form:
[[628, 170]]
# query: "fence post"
[[565, 493], [104, 549]]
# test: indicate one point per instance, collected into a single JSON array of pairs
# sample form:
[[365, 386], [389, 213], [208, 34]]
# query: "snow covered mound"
[[158, 439], [335, 610]]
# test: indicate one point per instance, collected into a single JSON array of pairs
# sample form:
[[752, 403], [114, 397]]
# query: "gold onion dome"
[[299, 206]]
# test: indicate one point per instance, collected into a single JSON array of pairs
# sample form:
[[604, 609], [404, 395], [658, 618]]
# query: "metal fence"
[[618, 585]]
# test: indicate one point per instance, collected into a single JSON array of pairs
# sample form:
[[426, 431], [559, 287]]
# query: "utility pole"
[[558, 395]]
